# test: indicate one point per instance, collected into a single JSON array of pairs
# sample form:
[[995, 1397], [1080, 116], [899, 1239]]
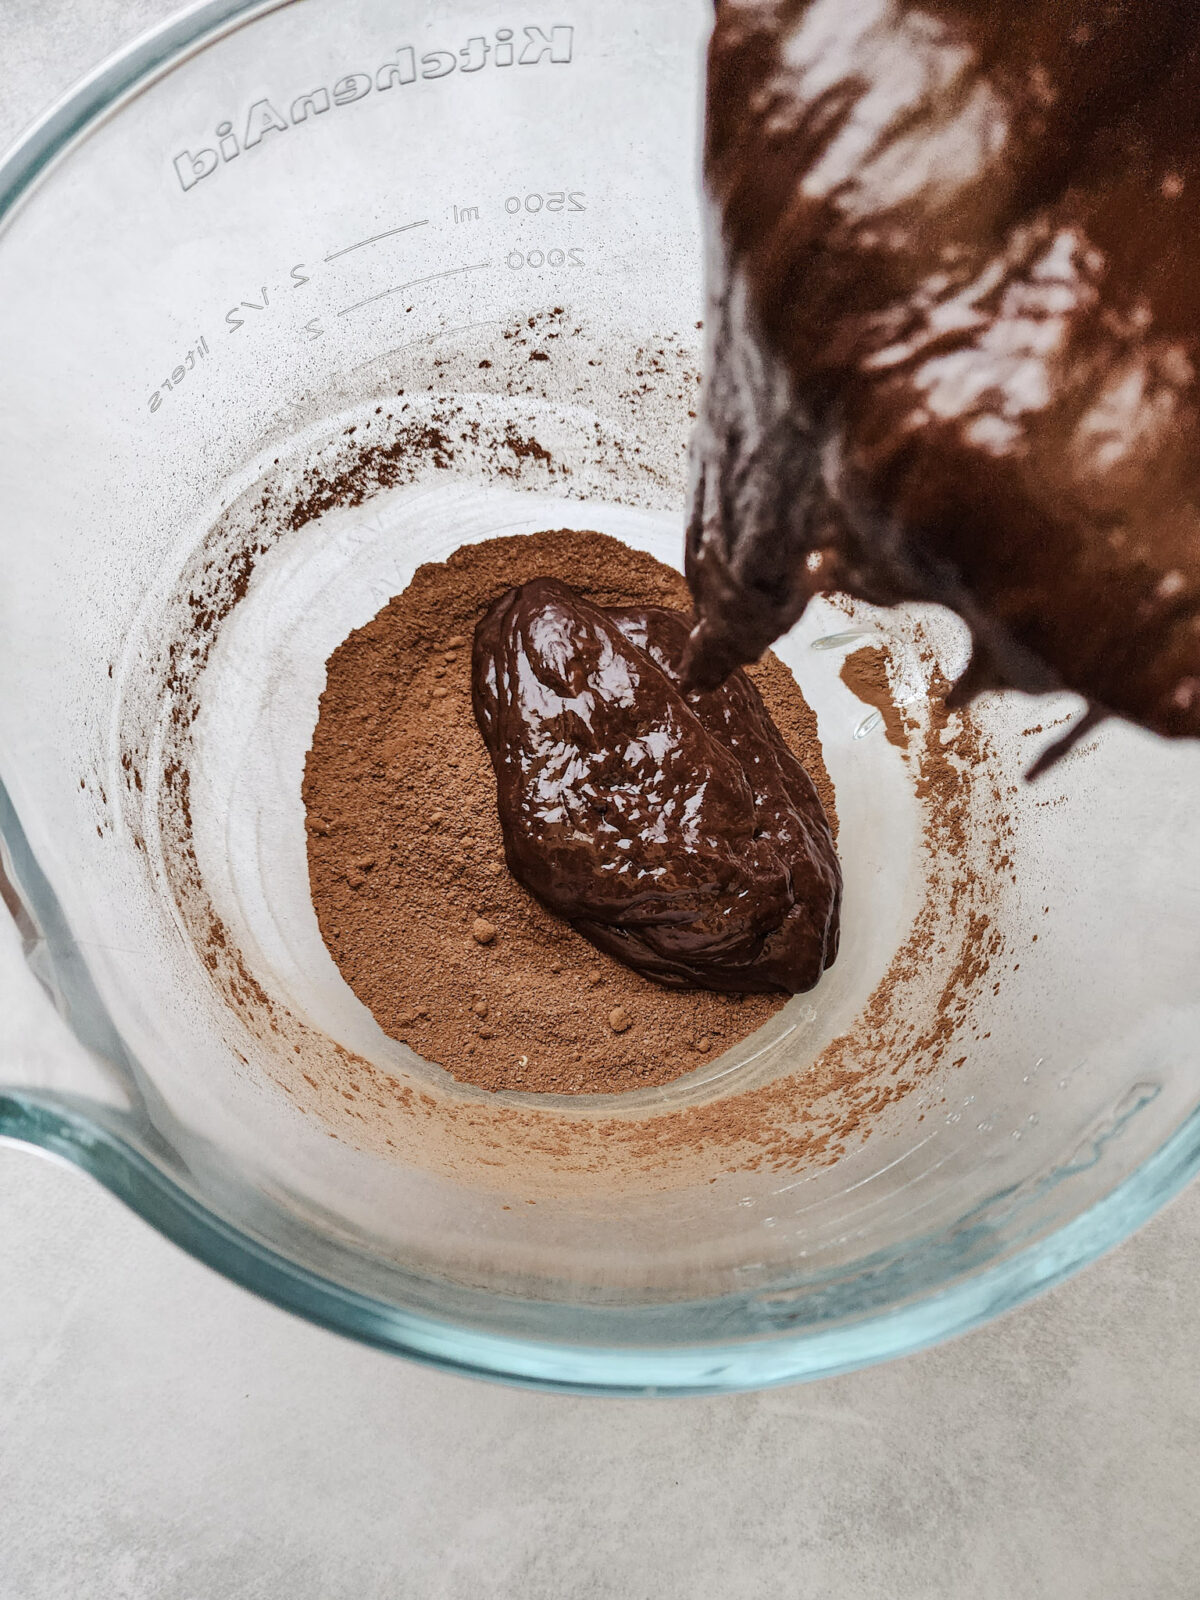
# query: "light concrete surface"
[[165, 1436]]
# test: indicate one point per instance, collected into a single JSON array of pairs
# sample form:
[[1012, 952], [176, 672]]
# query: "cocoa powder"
[[865, 674], [451, 955]]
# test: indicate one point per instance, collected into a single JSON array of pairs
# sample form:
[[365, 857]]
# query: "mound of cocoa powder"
[[406, 863]]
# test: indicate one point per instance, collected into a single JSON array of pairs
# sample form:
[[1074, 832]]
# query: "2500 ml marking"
[[555, 200]]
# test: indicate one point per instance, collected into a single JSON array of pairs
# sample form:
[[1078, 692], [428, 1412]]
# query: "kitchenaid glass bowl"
[[296, 296]]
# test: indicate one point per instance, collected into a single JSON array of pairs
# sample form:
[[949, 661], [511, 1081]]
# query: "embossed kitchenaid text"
[[528, 46]]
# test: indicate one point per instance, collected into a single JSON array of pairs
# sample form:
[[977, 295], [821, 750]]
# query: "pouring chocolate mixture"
[[952, 336]]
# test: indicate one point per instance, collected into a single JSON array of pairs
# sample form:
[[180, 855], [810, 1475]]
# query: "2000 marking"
[[559, 200], [544, 258]]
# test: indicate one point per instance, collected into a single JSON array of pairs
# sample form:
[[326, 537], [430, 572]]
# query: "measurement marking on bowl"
[[376, 237], [413, 283], [516, 525]]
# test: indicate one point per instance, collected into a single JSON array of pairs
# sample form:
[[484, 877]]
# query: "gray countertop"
[[165, 1436]]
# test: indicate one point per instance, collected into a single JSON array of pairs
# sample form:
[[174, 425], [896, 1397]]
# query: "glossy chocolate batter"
[[953, 334], [675, 831]]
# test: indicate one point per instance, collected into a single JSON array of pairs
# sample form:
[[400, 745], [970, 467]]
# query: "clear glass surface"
[[263, 227]]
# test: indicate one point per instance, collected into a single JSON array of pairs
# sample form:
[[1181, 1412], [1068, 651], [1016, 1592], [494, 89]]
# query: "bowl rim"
[[94, 1141], [95, 1144]]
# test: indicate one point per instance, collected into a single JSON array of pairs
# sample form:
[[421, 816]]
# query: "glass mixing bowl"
[[274, 286]]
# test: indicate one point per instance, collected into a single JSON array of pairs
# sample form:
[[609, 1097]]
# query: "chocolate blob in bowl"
[[674, 830]]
